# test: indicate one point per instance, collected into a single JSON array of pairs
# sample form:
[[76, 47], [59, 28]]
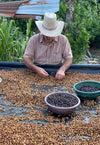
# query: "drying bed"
[[25, 118]]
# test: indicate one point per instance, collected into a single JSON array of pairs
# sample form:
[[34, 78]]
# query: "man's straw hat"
[[50, 26]]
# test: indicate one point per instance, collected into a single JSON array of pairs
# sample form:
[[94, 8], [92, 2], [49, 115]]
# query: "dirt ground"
[[95, 53], [92, 58]]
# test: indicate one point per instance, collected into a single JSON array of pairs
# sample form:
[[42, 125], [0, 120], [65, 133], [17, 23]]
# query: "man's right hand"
[[41, 72]]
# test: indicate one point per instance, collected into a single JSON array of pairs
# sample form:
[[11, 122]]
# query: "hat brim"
[[50, 33]]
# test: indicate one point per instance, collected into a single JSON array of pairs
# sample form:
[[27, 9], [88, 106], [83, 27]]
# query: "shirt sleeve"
[[67, 53], [29, 51]]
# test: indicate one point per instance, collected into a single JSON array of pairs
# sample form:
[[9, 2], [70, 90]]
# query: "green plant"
[[12, 41], [22, 42], [7, 41], [79, 40], [85, 27], [22, 24], [61, 14]]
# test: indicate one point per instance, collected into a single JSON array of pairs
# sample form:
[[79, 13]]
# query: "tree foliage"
[[85, 28]]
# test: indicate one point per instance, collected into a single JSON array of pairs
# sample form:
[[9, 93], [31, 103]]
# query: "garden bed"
[[25, 118]]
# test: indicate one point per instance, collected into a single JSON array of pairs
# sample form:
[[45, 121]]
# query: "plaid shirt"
[[51, 54]]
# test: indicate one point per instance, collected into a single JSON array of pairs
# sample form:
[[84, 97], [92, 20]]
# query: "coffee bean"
[[62, 100], [89, 89]]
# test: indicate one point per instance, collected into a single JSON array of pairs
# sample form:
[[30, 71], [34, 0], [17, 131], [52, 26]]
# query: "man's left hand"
[[60, 75]]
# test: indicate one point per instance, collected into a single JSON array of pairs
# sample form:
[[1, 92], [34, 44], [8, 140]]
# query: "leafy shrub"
[[22, 24], [61, 14], [84, 29], [79, 40], [12, 41], [7, 41]]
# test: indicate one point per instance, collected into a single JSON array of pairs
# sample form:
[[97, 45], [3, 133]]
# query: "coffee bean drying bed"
[[25, 118]]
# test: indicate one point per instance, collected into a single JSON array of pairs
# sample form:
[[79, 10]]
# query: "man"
[[49, 47]]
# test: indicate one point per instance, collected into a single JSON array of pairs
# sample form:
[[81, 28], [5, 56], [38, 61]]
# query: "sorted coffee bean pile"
[[38, 125], [89, 89], [62, 100]]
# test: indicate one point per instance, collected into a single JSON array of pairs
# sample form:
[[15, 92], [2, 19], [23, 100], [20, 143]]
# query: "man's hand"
[[61, 72], [41, 72], [60, 75]]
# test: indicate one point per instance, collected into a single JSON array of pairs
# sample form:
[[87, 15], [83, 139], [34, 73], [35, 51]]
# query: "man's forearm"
[[66, 64], [29, 64], [33, 67]]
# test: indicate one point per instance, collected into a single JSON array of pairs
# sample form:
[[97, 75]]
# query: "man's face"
[[48, 39]]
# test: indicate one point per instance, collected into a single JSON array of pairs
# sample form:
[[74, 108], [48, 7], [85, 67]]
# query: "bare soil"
[[95, 53], [92, 58]]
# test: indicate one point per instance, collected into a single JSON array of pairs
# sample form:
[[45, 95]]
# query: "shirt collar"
[[41, 38]]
